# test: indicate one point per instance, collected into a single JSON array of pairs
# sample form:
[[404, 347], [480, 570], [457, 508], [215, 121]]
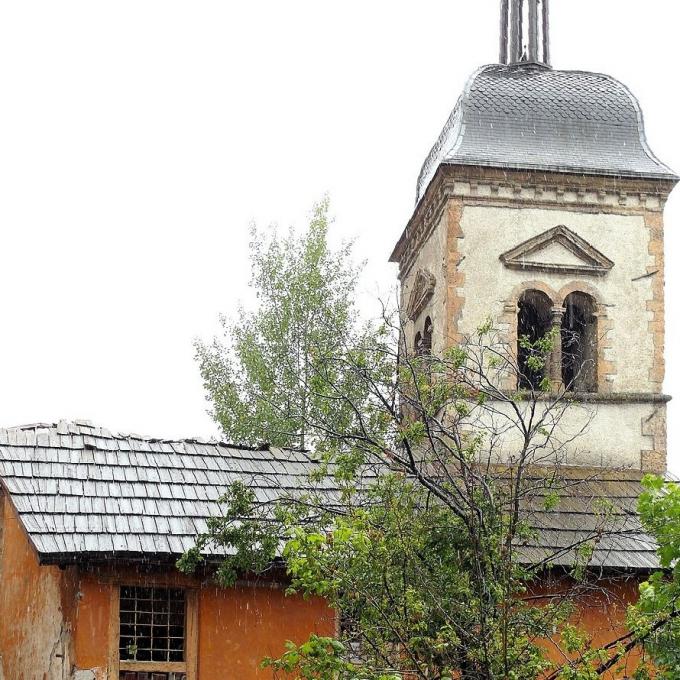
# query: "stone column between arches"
[[605, 368]]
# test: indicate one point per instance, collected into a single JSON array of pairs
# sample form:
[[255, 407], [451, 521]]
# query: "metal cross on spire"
[[525, 32]]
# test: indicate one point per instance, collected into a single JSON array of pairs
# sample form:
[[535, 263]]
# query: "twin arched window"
[[573, 362]]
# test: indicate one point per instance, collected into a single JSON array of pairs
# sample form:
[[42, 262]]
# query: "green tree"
[[655, 620], [260, 377], [411, 527]]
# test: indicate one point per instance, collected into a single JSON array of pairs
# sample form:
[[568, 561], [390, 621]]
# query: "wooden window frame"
[[190, 664]]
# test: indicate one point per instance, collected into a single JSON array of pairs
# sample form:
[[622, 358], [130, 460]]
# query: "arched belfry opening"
[[427, 336], [534, 321], [579, 343]]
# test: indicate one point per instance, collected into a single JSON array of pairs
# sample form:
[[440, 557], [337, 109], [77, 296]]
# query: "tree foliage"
[[655, 620], [418, 524], [414, 524], [259, 376]]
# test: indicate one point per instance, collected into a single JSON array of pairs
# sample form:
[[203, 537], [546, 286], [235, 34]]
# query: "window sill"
[[151, 666], [597, 397]]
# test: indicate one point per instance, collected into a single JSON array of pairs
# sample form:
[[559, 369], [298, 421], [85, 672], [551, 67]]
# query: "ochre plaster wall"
[[36, 608], [238, 628], [601, 612], [91, 635], [41, 605], [54, 623]]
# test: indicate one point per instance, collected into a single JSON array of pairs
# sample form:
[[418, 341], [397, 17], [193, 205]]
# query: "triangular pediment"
[[423, 289], [558, 250]]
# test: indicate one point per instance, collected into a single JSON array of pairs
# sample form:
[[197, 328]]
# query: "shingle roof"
[[595, 506], [80, 489], [84, 492], [530, 117]]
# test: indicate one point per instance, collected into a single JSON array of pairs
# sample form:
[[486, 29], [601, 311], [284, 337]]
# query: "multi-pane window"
[[152, 630]]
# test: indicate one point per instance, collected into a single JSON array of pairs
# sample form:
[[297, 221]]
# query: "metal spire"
[[525, 32]]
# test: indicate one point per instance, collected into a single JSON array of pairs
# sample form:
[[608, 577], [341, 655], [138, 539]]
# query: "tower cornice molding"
[[474, 185]]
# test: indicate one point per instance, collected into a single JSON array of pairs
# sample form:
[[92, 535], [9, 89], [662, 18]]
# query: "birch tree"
[[259, 375]]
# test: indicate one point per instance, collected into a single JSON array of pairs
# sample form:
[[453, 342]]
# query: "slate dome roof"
[[531, 117]]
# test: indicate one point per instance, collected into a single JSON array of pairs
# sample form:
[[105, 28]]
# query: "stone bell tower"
[[541, 205]]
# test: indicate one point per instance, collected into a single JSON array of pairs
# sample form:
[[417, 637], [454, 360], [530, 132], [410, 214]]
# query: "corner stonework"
[[654, 459], [455, 278], [655, 306]]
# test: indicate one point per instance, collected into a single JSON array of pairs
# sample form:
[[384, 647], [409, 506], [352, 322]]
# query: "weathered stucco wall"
[[602, 434], [489, 231], [237, 627], [36, 608], [431, 257], [54, 623], [91, 634], [600, 611]]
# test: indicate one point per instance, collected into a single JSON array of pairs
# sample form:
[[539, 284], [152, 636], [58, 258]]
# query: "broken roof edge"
[[4, 491], [66, 426]]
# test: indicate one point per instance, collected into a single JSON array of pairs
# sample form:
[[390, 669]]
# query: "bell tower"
[[541, 206]]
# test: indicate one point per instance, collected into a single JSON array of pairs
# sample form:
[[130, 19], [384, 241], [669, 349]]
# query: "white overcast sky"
[[138, 139]]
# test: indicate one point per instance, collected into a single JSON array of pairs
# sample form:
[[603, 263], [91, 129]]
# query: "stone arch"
[[602, 369], [578, 287], [428, 329], [521, 288], [508, 319]]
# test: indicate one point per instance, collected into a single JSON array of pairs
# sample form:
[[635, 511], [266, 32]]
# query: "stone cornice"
[[514, 189]]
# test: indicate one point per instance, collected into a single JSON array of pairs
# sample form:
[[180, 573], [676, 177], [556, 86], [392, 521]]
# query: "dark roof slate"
[[531, 117]]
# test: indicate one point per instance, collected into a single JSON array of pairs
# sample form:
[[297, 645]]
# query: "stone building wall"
[[431, 258], [470, 217], [623, 293]]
